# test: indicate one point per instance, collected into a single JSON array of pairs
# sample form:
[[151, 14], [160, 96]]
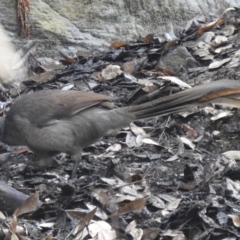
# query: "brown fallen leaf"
[[85, 221], [150, 88], [21, 150], [29, 205], [42, 77], [190, 132], [133, 206], [135, 178], [148, 38], [67, 60], [209, 26], [118, 44], [128, 67], [165, 71], [76, 214], [12, 230]]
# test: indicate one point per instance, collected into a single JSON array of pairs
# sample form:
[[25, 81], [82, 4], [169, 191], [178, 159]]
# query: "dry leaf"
[[165, 71], [177, 81], [85, 221], [218, 64], [221, 115], [136, 205], [209, 26], [101, 196], [131, 226], [68, 60], [43, 77], [137, 130], [114, 148], [48, 237], [12, 229], [118, 44], [136, 233], [102, 230], [148, 38], [150, 233], [188, 142], [29, 205], [47, 225], [190, 132], [129, 67], [232, 156], [235, 219], [219, 40], [76, 214], [110, 72], [150, 88], [173, 205]]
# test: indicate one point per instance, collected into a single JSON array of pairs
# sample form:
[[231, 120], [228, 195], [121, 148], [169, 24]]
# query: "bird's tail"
[[223, 92]]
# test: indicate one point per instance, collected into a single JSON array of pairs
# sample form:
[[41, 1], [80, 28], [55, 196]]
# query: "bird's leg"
[[77, 158]]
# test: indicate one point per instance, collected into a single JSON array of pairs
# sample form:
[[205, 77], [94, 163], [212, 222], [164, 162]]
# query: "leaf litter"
[[172, 177]]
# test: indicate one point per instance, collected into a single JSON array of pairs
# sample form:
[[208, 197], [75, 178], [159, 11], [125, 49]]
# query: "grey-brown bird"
[[54, 121]]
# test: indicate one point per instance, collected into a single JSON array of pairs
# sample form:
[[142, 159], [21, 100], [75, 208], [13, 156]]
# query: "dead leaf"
[[21, 150], [136, 233], [137, 130], [135, 178], [148, 38], [77, 214], [101, 196], [188, 142], [118, 44], [209, 26], [173, 205], [235, 219], [150, 233], [101, 231], [177, 81], [190, 132], [133, 206], [48, 237], [67, 60], [12, 232], [130, 226], [114, 148], [43, 77], [165, 71], [110, 72], [85, 221], [218, 64], [129, 67], [29, 205], [149, 88]]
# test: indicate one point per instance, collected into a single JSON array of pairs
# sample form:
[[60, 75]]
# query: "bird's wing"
[[47, 107]]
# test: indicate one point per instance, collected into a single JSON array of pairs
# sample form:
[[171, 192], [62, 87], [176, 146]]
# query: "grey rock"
[[177, 58], [90, 26]]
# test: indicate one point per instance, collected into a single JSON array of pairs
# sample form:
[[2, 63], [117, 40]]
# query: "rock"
[[90, 26], [177, 58]]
